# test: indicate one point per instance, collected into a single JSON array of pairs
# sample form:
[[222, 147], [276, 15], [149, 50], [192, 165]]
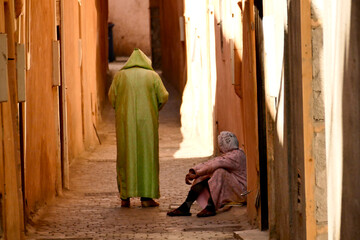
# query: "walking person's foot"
[[149, 203], [125, 203]]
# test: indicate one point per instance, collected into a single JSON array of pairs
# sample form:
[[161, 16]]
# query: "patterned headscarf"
[[227, 142]]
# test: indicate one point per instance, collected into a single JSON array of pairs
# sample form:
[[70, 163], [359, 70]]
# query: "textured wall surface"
[[284, 99], [132, 26], [173, 50], [342, 113], [318, 108], [73, 80], [94, 64], [40, 112], [11, 197], [85, 64], [350, 205], [229, 117]]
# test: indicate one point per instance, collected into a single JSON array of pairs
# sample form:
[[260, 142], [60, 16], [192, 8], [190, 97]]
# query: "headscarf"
[[227, 142]]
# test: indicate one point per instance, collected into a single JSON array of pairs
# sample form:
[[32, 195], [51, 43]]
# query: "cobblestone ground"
[[91, 208]]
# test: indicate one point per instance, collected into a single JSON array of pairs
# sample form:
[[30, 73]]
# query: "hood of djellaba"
[[138, 59]]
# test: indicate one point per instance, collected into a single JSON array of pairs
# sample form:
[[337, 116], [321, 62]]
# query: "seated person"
[[218, 181]]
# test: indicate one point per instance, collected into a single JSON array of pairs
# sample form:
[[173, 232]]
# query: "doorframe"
[[261, 107], [63, 105]]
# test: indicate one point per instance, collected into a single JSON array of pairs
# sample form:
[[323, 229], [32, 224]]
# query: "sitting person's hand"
[[190, 176]]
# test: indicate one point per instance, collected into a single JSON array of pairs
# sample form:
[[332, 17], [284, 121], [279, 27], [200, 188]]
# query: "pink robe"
[[227, 178]]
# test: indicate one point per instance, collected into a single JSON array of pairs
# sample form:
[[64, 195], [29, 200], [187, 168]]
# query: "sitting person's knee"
[[220, 172]]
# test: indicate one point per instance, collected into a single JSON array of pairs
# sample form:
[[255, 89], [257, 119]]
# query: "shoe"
[[178, 213], [149, 203], [206, 213], [125, 203]]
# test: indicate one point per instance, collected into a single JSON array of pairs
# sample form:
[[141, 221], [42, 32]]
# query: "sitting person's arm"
[[190, 176], [229, 161]]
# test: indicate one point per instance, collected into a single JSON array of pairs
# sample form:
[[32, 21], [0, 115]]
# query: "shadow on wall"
[[283, 89], [102, 52], [350, 207]]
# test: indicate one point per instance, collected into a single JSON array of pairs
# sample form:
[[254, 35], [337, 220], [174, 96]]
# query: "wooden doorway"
[[260, 78]]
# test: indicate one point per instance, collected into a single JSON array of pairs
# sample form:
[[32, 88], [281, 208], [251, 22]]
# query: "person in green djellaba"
[[137, 94]]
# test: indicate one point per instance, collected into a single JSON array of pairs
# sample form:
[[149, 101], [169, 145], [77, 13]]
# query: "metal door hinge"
[[21, 72]]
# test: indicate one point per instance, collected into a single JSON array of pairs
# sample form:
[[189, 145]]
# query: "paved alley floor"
[[91, 208]]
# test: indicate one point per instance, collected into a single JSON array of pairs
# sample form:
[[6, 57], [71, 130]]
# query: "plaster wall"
[[236, 91], [72, 48], [274, 26], [85, 71], [40, 165], [94, 65], [234, 40], [85, 75], [228, 117], [132, 26], [342, 114], [173, 50], [155, 30], [196, 111], [101, 44]]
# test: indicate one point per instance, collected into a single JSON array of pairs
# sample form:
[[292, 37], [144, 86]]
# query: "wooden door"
[[250, 108]]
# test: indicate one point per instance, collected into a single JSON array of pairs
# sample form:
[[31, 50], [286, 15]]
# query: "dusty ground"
[[91, 208]]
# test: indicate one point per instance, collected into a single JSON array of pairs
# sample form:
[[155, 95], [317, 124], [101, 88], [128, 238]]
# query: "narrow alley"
[[281, 76], [91, 208]]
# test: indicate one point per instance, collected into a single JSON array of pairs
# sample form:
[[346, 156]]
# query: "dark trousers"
[[194, 193]]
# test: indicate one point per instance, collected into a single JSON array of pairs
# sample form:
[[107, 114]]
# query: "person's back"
[[137, 94], [137, 85]]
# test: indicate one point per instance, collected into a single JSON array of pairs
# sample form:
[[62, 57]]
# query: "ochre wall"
[[40, 170], [228, 107], [85, 70], [94, 64], [85, 90], [101, 53], [236, 89], [132, 26], [73, 78], [173, 50]]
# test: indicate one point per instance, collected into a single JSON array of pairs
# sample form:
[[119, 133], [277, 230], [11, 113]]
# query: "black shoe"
[[178, 213], [206, 213]]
